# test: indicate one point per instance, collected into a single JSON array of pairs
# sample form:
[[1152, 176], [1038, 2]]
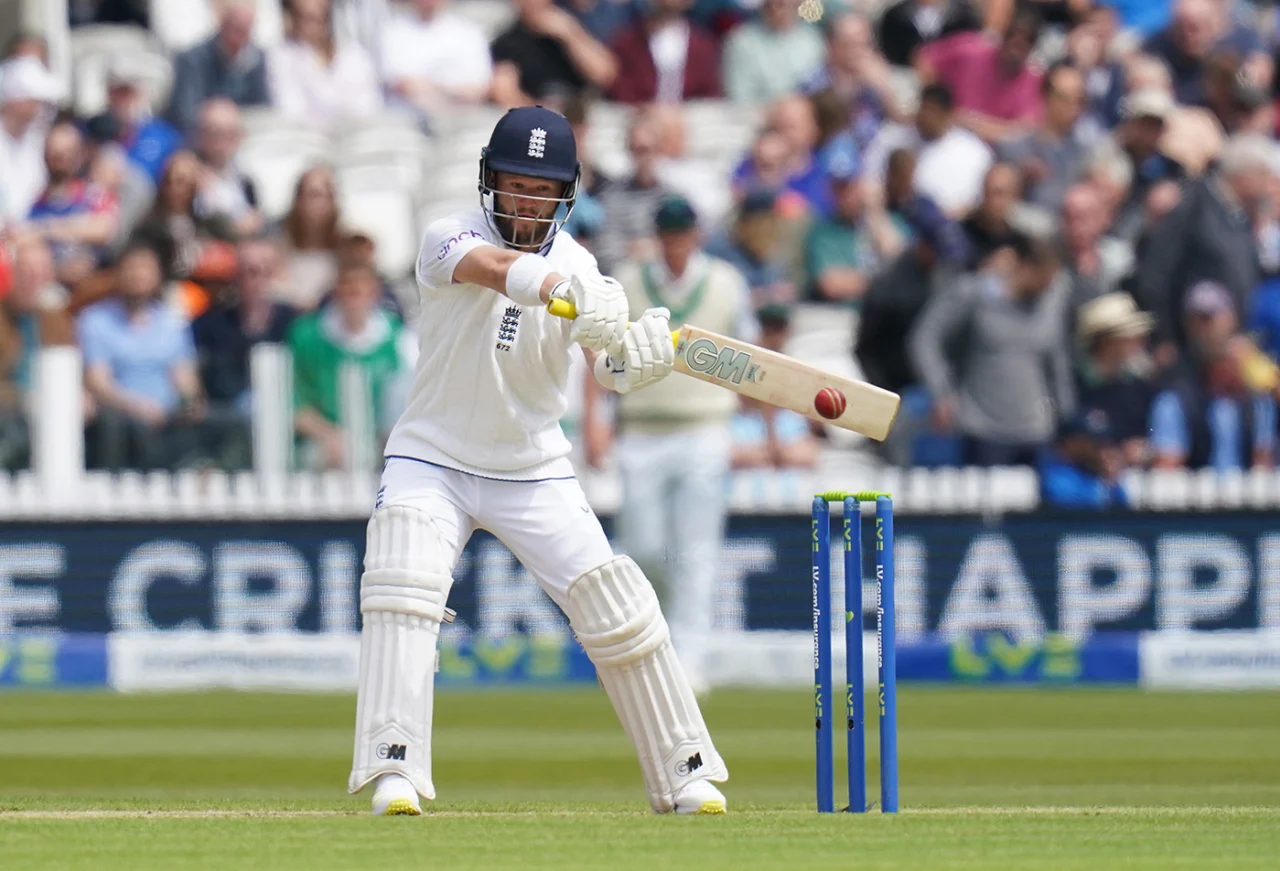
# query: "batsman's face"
[[525, 206]]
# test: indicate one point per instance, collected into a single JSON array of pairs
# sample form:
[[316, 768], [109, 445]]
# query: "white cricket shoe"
[[395, 796], [700, 797]]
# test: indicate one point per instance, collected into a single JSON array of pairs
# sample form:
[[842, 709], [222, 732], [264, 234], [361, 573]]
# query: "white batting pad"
[[615, 614], [402, 595]]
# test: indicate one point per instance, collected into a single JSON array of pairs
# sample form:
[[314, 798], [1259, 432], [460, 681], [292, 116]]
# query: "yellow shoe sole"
[[715, 806], [402, 807]]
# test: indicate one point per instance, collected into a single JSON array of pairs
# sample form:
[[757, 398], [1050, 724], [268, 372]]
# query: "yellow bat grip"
[[563, 308]]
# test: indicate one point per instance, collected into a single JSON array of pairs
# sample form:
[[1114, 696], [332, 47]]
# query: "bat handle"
[[563, 308]]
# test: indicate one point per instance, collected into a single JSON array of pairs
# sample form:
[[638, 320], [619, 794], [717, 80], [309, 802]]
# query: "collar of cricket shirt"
[[679, 295]]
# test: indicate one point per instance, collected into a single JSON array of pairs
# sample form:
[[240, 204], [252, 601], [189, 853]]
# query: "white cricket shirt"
[[490, 385]]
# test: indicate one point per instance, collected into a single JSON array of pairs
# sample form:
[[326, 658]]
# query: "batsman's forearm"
[[489, 266]]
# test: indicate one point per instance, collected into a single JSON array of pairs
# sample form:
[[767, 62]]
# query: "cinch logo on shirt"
[[447, 245], [537, 142], [507, 329]]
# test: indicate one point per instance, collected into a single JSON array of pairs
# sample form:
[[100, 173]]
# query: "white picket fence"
[[57, 485]]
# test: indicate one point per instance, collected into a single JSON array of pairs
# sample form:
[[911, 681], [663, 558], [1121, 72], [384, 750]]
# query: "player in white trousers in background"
[[673, 446], [480, 447]]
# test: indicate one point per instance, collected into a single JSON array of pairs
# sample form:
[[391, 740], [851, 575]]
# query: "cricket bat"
[[776, 379]]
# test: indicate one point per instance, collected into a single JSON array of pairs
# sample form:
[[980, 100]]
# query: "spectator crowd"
[[1053, 226]]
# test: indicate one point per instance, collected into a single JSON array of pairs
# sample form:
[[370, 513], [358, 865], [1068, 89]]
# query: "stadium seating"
[[181, 24], [276, 160]]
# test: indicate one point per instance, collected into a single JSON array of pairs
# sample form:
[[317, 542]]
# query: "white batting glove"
[[603, 310], [647, 354]]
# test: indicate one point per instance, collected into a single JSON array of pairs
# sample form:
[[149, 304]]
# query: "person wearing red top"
[[996, 89], [77, 218], [666, 57]]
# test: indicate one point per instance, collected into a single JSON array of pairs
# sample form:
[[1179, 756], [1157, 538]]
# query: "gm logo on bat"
[[705, 356]]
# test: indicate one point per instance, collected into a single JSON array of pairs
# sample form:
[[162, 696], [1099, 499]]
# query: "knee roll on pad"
[[402, 600], [615, 614], [404, 568]]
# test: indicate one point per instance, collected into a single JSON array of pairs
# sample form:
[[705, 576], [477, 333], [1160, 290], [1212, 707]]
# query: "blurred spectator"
[[127, 183], [149, 141], [893, 302], [1138, 137], [628, 206], [898, 190], [1083, 468], [753, 246], [840, 252], [82, 12], [140, 369], [909, 24], [311, 236], [1237, 103], [603, 19], [352, 328], [1264, 316], [1114, 375], [28, 92], [224, 337], [1090, 50], [365, 21], [546, 53], [224, 190], [772, 55], [664, 56], [586, 222], [989, 227], [1142, 71], [77, 218], [766, 167], [791, 157], [1110, 172], [1197, 28], [1207, 417], [765, 436], [27, 44], [951, 162], [698, 180], [1011, 383], [227, 65], [313, 78], [673, 437], [1051, 157], [995, 87], [1096, 263], [358, 247], [857, 74], [192, 246], [32, 316], [433, 58], [1208, 237]]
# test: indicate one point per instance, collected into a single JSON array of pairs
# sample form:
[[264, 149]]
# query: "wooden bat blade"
[[784, 381], [774, 378]]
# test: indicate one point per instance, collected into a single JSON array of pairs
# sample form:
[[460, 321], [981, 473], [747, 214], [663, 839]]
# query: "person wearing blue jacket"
[[1082, 469]]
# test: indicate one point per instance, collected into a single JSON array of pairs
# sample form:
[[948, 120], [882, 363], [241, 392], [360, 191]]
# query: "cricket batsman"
[[480, 446]]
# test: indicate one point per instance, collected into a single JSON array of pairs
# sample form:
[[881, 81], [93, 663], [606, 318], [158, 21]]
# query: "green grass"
[[990, 779]]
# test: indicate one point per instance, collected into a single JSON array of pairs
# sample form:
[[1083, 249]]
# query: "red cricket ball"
[[830, 403]]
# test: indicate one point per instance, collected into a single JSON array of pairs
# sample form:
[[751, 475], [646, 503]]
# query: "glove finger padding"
[[602, 308], [644, 356], [658, 332]]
